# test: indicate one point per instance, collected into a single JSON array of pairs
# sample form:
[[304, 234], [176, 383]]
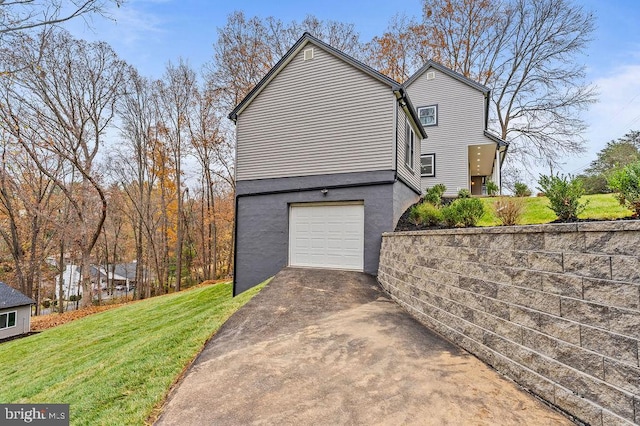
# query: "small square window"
[[428, 115], [428, 165]]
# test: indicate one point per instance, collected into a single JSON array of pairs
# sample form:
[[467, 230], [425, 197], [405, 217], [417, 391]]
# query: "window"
[[428, 115], [8, 319], [409, 143], [428, 165]]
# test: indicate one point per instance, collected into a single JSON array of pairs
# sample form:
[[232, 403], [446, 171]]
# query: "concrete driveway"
[[328, 347]]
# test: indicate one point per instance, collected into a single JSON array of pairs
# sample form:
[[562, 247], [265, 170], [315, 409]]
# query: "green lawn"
[[116, 366], [536, 210]]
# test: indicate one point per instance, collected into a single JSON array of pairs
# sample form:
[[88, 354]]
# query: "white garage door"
[[327, 236]]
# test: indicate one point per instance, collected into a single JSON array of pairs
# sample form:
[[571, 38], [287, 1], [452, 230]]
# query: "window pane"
[[3, 320], [407, 148], [427, 115], [426, 165], [12, 319]]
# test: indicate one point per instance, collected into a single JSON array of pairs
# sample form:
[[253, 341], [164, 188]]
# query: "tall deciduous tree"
[[68, 88], [527, 52], [247, 48], [22, 15], [400, 50], [176, 94]]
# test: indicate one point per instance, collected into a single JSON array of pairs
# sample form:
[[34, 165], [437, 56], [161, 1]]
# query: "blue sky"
[[149, 33]]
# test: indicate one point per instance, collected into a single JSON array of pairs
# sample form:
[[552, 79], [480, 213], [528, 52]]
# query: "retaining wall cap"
[[610, 225]]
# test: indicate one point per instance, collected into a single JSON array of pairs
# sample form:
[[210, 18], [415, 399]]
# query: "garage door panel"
[[330, 236]]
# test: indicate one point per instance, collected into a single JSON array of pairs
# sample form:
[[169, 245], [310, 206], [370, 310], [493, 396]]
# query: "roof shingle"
[[11, 298]]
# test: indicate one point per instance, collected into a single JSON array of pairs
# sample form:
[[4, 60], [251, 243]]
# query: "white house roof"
[[11, 298]]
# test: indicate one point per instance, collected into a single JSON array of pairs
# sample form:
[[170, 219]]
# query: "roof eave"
[[405, 103], [291, 53], [451, 73]]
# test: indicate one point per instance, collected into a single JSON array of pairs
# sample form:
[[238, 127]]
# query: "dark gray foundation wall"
[[262, 235]]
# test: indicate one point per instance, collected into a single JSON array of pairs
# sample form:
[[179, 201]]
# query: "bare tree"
[[399, 51], [71, 92], [538, 86], [136, 169], [204, 133], [247, 48], [27, 205], [176, 92], [22, 15], [525, 51]]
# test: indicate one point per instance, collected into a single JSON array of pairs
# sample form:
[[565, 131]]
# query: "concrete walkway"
[[328, 347]]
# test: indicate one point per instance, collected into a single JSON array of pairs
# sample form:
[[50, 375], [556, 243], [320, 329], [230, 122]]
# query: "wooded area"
[[102, 166]]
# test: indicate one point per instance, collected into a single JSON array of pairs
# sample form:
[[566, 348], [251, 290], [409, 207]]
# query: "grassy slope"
[[115, 367], [536, 210]]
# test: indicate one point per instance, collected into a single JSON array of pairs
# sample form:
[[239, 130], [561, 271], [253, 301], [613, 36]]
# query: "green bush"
[[434, 194], [464, 193], [463, 212], [564, 194], [492, 188], [626, 184], [521, 189], [451, 216], [425, 214]]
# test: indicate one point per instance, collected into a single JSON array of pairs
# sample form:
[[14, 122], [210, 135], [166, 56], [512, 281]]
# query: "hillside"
[[115, 367]]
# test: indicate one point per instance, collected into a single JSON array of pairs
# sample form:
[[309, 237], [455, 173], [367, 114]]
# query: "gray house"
[[328, 158], [15, 312], [460, 152]]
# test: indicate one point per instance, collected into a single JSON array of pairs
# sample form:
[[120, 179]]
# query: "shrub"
[[626, 184], [463, 212], [434, 194], [425, 214], [521, 189], [464, 193], [451, 215], [564, 194], [508, 210], [492, 188]]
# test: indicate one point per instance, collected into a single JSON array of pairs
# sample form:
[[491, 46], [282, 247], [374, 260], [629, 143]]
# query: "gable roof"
[[451, 73], [11, 298], [307, 38]]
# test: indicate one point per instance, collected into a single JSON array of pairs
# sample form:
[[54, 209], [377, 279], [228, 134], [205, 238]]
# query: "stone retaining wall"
[[554, 307]]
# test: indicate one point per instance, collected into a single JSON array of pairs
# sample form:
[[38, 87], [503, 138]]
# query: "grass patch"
[[536, 210], [116, 366]]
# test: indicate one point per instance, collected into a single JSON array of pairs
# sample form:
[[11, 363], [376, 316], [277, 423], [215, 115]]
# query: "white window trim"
[[7, 314], [433, 165], [409, 146], [435, 114]]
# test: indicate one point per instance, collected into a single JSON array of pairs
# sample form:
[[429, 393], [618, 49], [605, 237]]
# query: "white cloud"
[[616, 112]]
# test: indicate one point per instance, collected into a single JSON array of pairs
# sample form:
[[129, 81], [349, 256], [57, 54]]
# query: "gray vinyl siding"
[[460, 124], [316, 117], [411, 176], [23, 321]]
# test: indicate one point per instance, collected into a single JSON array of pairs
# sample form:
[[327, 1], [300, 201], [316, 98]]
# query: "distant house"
[[15, 312], [124, 276], [70, 281]]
